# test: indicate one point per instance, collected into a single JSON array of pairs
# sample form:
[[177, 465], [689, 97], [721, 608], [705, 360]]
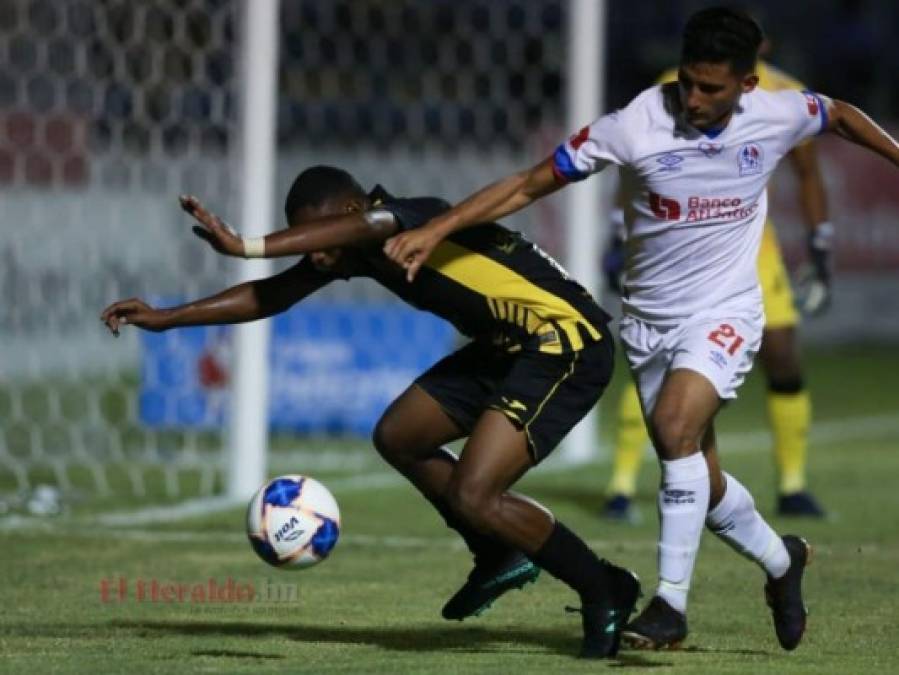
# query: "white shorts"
[[719, 349]]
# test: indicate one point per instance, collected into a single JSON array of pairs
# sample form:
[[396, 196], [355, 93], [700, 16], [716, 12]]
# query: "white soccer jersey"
[[695, 222]]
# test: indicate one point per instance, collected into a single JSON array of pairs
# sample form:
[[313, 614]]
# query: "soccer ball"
[[293, 521]]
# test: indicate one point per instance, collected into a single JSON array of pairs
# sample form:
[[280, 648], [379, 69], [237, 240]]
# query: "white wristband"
[[254, 248], [823, 235]]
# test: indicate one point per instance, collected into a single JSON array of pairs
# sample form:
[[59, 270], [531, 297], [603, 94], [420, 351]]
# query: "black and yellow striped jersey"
[[491, 283]]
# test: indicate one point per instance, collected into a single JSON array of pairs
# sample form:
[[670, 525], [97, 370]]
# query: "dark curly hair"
[[317, 184], [722, 35]]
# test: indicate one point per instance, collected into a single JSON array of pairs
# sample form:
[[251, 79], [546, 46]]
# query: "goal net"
[[111, 109]]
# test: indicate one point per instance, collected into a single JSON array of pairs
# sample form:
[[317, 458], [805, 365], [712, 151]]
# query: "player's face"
[[329, 259], [709, 93]]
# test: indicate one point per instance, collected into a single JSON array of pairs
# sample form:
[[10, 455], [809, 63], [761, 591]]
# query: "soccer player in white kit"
[[701, 151]]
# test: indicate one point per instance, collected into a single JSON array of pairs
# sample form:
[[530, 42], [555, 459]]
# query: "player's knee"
[[780, 384], [472, 503], [779, 356], [388, 441], [672, 436]]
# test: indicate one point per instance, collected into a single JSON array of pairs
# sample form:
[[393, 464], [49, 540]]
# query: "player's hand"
[[135, 312], [212, 229], [411, 249], [813, 282], [813, 294]]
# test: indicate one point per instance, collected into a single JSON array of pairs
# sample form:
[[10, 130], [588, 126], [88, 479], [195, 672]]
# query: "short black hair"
[[317, 184], [722, 34]]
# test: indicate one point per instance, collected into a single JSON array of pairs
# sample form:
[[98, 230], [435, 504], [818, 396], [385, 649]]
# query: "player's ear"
[[750, 82], [354, 206]]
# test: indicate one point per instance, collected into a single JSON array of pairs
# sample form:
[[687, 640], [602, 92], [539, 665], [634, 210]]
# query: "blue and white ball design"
[[293, 521]]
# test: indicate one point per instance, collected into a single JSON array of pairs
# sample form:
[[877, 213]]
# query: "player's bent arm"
[[244, 302], [812, 195], [252, 300], [411, 249], [500, 199], [852, 124], [353, 229], [313, 235]]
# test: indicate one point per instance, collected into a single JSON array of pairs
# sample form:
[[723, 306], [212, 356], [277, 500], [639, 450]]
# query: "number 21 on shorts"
[[726, 337]]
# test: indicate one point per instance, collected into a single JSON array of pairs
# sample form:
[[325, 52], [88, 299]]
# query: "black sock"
[[482, 546], [569, 559]]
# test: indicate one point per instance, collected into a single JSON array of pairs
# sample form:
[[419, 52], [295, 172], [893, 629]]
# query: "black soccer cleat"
[[659, 626], [799, 504], [488, 581], [784, 595], [602, 621]]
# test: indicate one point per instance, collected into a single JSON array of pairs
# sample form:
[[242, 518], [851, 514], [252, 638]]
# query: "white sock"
[[736, 521], [683, 503]]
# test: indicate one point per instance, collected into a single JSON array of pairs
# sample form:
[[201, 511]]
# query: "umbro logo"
[[679, 496], [718, 359], [670, 161]]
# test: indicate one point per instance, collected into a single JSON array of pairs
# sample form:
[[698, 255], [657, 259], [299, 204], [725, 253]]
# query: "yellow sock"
[[630, 444], [789, 415]]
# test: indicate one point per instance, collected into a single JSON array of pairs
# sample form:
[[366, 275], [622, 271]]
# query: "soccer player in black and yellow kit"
[[789, 403], [539, 358]]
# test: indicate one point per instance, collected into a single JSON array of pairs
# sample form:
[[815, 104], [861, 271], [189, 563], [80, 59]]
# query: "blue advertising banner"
[[334, 368]]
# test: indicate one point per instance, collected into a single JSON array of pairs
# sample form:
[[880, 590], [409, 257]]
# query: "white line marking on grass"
[[209, 505], [830, 432], [33, 525], [168, 514]]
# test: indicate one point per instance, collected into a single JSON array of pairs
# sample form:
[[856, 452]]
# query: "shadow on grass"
[[232, 654], [418, 638], [428, 638], [397, 638]]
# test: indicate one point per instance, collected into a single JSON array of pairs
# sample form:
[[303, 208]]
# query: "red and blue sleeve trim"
[[822, 109], [564, 168]]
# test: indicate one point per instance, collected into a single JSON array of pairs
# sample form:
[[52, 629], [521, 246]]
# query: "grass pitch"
[[374, 606]]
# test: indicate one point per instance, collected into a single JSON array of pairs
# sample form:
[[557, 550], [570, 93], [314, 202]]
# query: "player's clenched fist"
[[411, 249], [136, 312], [213, 229]]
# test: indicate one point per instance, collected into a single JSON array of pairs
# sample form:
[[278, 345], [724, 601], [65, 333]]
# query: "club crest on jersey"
[[710, 149], [811, 102], [670, 161], [750, 159]]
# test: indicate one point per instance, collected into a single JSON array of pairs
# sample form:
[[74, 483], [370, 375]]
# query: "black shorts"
[[546, 395]]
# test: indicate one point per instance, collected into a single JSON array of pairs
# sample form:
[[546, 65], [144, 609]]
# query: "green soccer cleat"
[[487, 582], [603, 621]]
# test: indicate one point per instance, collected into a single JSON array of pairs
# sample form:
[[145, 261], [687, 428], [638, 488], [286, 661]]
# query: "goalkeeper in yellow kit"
[[789, 405]]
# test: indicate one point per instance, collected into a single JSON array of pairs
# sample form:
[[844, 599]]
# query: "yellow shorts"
[[777, 295]]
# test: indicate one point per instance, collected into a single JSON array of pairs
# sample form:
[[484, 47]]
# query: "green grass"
[[374, 606]]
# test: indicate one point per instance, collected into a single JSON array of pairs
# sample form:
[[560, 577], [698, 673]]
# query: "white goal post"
[[587, 223], [248, 439]]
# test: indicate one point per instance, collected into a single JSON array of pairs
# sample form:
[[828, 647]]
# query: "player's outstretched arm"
[[852, 124], [316, 235], [241, 303], [508, 195]]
